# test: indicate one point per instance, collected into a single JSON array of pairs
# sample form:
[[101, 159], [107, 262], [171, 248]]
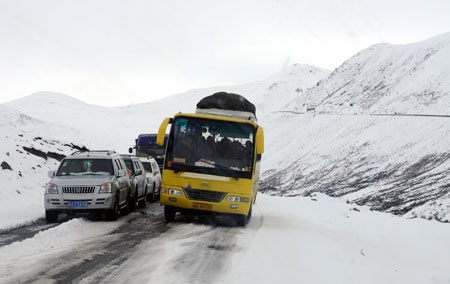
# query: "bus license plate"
[[77, 204], [202, 206]]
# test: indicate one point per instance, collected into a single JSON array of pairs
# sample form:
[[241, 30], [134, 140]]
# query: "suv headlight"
[[105, 188], [171, 191], [51, 189]]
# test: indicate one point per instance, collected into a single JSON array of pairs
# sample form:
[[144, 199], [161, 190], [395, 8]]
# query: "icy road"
[[289, 240]]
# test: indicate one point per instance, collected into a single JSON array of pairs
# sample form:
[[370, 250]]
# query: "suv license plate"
[[202, 206], [77, 204]]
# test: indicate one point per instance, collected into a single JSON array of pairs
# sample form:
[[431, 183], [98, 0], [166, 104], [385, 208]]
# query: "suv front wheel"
[[51, 216], [111, 214]]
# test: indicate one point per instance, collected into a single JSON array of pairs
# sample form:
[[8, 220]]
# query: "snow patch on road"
[[43, 252]]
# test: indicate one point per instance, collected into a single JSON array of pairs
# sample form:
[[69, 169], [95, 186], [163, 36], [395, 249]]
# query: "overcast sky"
[[114, 53]]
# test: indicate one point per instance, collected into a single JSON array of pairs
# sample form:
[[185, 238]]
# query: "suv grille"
[[78, 189], [204, 195]]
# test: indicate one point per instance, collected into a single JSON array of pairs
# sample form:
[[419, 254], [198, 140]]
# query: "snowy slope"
[[28, 151], [391, 163], [116, 128], [388, 78]]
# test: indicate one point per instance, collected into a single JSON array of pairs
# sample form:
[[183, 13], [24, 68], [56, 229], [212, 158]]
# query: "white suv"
[[86, 182], [138, 180], [153, 177]]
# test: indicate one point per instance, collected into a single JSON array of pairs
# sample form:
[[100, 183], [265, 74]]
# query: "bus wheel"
[[169, 213], [249, 216], [242, 220]]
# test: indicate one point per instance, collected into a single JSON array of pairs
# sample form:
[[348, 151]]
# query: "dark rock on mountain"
[[5, 166]]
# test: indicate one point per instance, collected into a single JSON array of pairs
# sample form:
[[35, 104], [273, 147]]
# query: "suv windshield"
[[77, 167], [211, 146]]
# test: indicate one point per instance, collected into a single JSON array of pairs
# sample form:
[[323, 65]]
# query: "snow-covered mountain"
[[28, 151], [388, 78], [116, 128], [391, 163]]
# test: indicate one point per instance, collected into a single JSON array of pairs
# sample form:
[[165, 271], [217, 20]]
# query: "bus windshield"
[[146, 146], [211, 146], [149, 150]]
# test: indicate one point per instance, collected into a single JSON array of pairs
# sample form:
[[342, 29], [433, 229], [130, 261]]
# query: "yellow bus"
[[212, 158]]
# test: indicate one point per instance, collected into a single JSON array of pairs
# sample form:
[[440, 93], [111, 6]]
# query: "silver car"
[[153, 177], [86, 182], [138, 180]]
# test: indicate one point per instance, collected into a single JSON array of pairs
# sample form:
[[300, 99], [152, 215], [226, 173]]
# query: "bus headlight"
[[171, 191], [233, 198], [238, 199]]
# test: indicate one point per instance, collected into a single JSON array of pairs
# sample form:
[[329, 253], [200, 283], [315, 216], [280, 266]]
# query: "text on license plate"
[[202, 206], [77, 204]]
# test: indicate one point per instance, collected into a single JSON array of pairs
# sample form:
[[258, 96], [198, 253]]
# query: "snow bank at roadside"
[[324, 240]]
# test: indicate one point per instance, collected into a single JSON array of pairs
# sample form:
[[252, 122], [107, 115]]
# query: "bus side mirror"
[[130, 150], [162, 131], [259, 140]]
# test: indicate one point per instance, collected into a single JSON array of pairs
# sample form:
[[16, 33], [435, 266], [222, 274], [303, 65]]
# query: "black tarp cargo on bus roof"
[[228, 101]]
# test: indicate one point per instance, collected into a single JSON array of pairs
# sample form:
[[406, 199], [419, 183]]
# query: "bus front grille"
[[204, 195]]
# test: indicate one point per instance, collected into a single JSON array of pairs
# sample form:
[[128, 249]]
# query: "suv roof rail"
[[78, 152], [127, 155], [108, 152], [146, 157]]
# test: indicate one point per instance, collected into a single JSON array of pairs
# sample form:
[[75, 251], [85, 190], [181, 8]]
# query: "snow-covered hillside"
[[394, 164], [387, 78], [28, 151], [116, 128]]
